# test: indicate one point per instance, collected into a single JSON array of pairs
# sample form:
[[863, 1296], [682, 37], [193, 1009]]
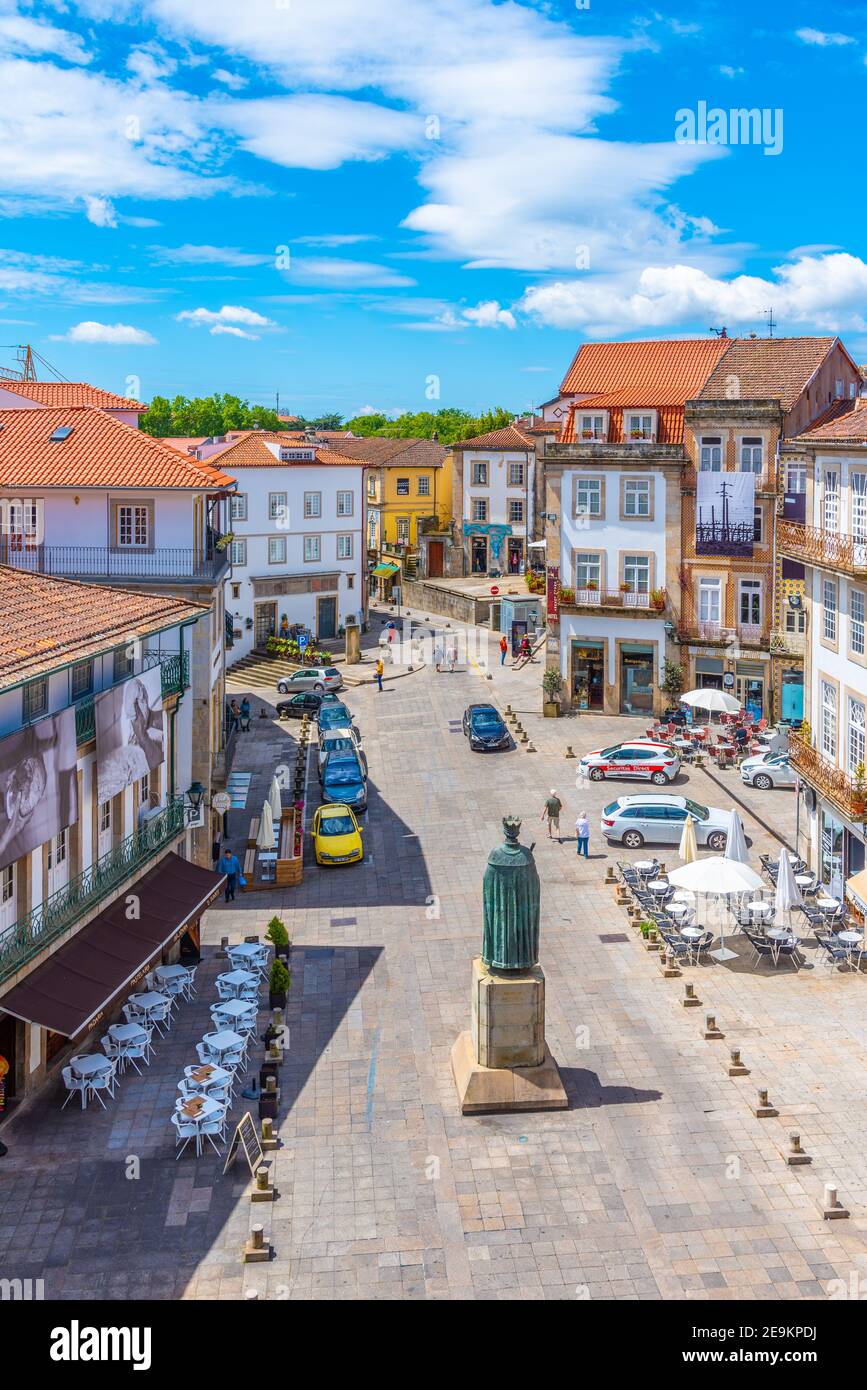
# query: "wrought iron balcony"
[[30, 935], [610, 598], [833, 550], [828, 779], [175, 678], [99, 564]]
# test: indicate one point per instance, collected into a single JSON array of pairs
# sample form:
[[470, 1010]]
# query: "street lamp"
[[195, 797]]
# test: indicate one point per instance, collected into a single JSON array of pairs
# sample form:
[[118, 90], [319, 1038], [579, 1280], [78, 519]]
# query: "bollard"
[[569, 753], [763, 1109], [250, 1295], [263, 1190], [670, 967], [256, 1251], [530, 747], [736, 1066], [269, 1138], [796, 1156], [224, 948], [690, 999], [508, 710], [832, 1210], [711, 1032], [609, 874], [525, 737]]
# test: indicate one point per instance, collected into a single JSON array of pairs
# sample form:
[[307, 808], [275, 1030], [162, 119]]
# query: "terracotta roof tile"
[[384, 452], [510, 437], [663, 372], [46, 622], [70, 393], [100, 452], [844, 422], [767, 368], [250, 452]]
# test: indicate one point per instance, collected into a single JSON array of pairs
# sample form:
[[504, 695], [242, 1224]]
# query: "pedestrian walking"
[[245, 715], [552, 808], [504, 647], [235, 709], [452, 658], [379, 670], [438, 656], [582, 831], [230, 866]]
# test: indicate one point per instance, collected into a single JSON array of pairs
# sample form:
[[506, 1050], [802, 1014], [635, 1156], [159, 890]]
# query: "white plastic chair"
[[216, 1124], [225, 991], [160, 1018], [190, 982], [102, 1081], [113, 1050], [73, 1084], [184, 1130]]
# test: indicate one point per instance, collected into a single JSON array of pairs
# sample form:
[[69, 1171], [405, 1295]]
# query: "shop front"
[[708, 673], [750, 687], [587, 683], [636, 678], [792, 695]]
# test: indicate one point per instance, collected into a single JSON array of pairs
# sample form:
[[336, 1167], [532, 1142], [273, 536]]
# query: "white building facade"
[[493, 495]]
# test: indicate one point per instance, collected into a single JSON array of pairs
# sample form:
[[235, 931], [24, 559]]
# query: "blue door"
[[792, 703]]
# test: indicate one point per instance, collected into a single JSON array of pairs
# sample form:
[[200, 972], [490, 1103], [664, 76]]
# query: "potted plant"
[[645, 929], [636, 434], [672, 680], [552, 684], [657, 599], [278, 934], [592, 585], [567, 595], [223, 542], [586, 434], [279, 981], [859, 789], [625, 588]]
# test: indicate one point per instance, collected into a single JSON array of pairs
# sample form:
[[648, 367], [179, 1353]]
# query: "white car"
[[340, 740], [639, 760], [659, 819], [767, 770]]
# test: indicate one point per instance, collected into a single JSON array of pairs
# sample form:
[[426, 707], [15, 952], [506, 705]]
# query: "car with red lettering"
[[638, 760]]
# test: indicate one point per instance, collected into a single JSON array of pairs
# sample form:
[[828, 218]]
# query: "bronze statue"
[[511, 904]]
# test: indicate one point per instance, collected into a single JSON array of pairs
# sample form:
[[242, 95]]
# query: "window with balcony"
[[424, 487], [480, 509], [855, 742], [81, 680], [636, 573], [796, 478], [591, 427], [709, 600], [829, 610], [277, 509], [516, 512], [276, 550], [757, 524], [795, 620], [123, 662], [25, 525], [345, 505], [588, 497], [639, 427], [588, 569], [239, 552], [710, 453], [35, 699], [238, 509], [858, 503], [828, 732], [516, 475], [312, 504], [132, 526], [344, 547], [856, 621], [752, 455], [312, 548], [831, 501], [636, 497]]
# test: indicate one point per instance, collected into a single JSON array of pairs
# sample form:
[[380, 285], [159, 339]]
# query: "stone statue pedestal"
[[503, 1062]]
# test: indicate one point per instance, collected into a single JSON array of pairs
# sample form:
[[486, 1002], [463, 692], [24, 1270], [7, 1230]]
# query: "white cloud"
[[189, 254], [100, 211], [227, 328], [391, 414], [229, 314], [232, 80], [728, 71], [488, 314], [150, 63], [331, 239], [27, 36], [115, 334], [317, 131], [57, 279], [821, 293], [342, 274], [820, 39]]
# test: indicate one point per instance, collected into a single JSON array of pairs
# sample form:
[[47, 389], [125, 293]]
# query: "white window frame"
[[312, 550], [710, 453], [796, 478], [856, 621], [276, 550], [856, 734], [750, 446], [641, 568], [594, 425], [239, 553], [133, 526], [516, 511], [751, 591], [710, 601], [277, 507], [516, 473], [858, 505], [591, 488], [344, 547], [424, 487], [312, 505], [479, 473], [828, 731], [238, 506], [638, 420], [829, 610], [345, 503], [587, 565], [831, 501], [634, 489], [480, 509]]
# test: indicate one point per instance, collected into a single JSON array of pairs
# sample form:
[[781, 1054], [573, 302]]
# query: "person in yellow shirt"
[[379, 670]]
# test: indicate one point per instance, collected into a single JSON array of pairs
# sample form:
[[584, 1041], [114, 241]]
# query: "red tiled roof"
[[70, 393], [46, 622], [663, 372], [669, 423], [100, 452], [767, 368], [382, 451], [844, 422], [510, 437], [250, 452]]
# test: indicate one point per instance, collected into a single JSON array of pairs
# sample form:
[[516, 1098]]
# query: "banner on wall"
[[725, 514], [553, 591], [129, 732], [38, 789]]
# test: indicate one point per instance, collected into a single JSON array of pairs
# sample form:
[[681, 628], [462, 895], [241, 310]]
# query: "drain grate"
[[613, 938]]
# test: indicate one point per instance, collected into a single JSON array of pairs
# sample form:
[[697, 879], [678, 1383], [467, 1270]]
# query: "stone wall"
[[446, 603]]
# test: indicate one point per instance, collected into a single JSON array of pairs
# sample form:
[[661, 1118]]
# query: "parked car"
[[343, 739], [659, 819], [333, 714], [305, 702], [484, 727], [767, 770], [337, 836], [639, 760], [311, 678], [343, 781]]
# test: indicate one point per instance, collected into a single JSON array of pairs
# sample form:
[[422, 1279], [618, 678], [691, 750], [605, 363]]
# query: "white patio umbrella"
[[736, 844], [717, 878], [688, 849], [265, 837], [788, 894], [714, 700], [274, 798]]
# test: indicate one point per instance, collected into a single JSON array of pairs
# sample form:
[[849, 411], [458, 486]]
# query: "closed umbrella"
[[274, 798], [736, 843], [788, 894], [717, 878], [265, 837], [688, 850]]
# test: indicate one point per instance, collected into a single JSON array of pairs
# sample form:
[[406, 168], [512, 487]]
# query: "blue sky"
[[361, 202]]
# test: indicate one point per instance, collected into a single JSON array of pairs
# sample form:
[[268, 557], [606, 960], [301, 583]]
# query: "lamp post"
[[195, 797]]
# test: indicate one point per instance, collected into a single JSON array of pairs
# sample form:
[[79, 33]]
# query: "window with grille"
[[858, 492], [796, 478], [516, 475], [81, 679], [751, 602], [829, 610], [276, 550], [35, 699], [276, 506], [831, 505], [480, 474], [239, 506], [424, 487], [239, 552], [516, 513], [480, 509], [829, 720], [403, 487]]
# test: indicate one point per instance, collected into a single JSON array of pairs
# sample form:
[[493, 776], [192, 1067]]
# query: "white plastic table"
[[147, 1003], [223, 1041], [645, 866], [127, 1032], [234, 1008], [217, 1076], [209, 1109], [238, 979], [804, 880], [88, 1065], [827, 904], [171, 972], [676, 909], [247, 951], [759, 909], [659, 885], [850, 938]]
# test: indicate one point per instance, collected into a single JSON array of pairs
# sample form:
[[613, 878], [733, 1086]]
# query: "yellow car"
[[337, 836]]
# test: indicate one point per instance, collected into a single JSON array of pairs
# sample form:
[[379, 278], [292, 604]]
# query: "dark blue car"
[[484, 727], [343, 781]]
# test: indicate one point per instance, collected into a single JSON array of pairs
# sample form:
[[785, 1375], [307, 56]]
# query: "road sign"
[[221, 801], [303, 639], [495, 589]]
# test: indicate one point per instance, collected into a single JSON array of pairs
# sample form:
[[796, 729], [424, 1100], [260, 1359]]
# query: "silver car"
[[340, 740], [311, 678], [768, 770], [638, 820]]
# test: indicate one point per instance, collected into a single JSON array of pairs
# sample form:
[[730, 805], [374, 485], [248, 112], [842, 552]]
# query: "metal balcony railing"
[[607, 598], [99, 563], [175, 678], [833, 550], [30, 935], [828, 779]]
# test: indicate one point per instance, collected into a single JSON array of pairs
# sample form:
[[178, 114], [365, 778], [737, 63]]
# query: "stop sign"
[[494, 589]]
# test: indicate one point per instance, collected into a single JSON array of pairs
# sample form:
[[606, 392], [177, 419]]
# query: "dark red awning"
[[69, 991]]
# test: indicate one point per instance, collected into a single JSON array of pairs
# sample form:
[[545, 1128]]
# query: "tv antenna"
[[719, 332], [772, 322], [27, 359]]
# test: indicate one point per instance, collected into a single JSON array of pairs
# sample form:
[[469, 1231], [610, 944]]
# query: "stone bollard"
[[264, 1188], [670, 967], [832, 1209], [569, 753], [269, 1138], [796, 1156], [531, 748], [508, 710], [736, 1066], [763, 1109], [609, 874], [710, 1031], [224, 948], [256, 1251], [525, 737], [251, 1295], [690, 998]]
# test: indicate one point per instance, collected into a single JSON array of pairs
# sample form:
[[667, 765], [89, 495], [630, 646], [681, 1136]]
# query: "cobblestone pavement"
[[659, 1181]]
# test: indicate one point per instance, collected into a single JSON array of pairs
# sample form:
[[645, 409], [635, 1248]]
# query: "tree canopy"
[[206, 415], [449, 425]]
